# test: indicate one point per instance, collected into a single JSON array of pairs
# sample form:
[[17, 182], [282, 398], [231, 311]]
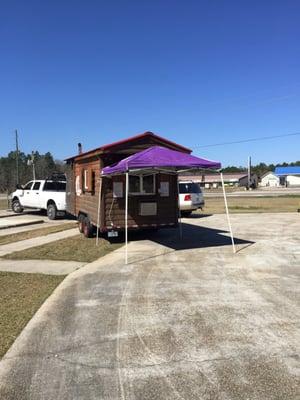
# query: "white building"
[[270, 179], [288, 176], [293, 180]]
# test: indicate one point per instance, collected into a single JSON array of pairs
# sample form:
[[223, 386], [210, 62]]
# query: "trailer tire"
[[88, 228], [186, 214], [81, 218]]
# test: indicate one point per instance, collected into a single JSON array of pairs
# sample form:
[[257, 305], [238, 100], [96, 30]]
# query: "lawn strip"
[[75, 248], [21, 295], [215, 205], [16, 237], [3, 204]]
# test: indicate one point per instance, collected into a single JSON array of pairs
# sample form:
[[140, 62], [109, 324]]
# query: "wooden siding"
[[87, 201], [114, 208]]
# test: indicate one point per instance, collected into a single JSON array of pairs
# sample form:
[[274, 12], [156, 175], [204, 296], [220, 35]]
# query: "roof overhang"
[[118, 146]]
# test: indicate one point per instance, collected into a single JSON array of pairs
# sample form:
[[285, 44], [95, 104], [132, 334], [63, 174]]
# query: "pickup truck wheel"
[[88, 228], [52, 211], [16, 206]]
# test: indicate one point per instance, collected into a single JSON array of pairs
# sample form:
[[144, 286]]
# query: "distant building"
[[288, 176], [270, 179], [213, 181], [243, 181]]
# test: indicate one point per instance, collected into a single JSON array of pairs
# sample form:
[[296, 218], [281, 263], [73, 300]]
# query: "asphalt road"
[[184, 320]]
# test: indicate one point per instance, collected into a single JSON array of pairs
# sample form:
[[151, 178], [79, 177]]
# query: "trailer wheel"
[[186, 213], [81, 218], [88, 228]]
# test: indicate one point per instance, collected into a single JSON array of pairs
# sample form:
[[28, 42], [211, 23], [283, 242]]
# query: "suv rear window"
[[55, 186], [189, 188]]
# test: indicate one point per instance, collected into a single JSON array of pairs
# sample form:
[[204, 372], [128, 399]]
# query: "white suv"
[[190, 197], [46, 194]]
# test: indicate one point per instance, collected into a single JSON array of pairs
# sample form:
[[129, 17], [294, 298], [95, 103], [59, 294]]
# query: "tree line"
[[44, 164], [260, 168]]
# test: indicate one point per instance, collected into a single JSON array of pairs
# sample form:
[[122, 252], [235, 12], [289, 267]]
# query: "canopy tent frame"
[[158, 159], [135, 172]]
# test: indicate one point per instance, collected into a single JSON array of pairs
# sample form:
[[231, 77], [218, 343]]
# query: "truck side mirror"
[[18, 186]]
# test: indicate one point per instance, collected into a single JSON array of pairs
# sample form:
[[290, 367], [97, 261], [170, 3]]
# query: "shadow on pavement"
[[192, 237], [198, 215], [196, 237]]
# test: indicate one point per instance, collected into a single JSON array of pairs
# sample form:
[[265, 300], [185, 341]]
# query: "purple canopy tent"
[[158, 158]]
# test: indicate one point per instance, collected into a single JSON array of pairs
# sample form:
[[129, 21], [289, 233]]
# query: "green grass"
[[292, 196], [75, 248], [215, 205], [16, 237], [245, 208], [21, 295]]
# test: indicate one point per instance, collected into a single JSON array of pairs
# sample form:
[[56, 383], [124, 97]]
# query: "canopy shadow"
[[193, 237]]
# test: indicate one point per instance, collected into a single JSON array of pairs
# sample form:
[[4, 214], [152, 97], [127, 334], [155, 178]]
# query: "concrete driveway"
[[13, 223], [193, 323]]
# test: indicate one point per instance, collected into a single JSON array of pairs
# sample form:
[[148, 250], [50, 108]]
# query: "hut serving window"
[[142, 184]]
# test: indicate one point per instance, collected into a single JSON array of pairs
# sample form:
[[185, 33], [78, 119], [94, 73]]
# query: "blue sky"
[[196, 72]]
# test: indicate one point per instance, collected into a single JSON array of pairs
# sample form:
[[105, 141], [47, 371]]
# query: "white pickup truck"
[[46, 194]]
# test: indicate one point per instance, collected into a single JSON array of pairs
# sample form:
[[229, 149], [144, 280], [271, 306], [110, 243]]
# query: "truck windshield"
[[189, 188]]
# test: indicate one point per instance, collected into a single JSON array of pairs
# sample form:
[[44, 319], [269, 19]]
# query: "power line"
[[247, 140]]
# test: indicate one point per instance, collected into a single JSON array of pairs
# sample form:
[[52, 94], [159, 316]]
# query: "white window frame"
[[141, 192], [86, 176]]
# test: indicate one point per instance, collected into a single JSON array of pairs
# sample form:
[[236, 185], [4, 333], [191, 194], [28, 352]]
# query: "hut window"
[[77, 186], [93, 182], [148, 184], [142, 184], [84, 180], [134, 184], [86, 177]]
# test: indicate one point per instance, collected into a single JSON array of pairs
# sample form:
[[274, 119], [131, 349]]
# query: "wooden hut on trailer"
[[153, 195]]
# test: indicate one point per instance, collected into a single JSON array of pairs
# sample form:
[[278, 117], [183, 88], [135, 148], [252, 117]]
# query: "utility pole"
[[17, 156], [249, 172], [31, 162]]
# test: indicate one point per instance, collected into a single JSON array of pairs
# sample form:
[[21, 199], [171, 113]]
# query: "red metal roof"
[[110, 146]]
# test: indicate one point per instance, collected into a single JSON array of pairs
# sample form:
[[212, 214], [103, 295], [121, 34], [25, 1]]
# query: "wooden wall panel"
[[167, 209], [87, 201]]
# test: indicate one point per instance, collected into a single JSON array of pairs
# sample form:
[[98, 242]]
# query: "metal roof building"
[[283, 171]]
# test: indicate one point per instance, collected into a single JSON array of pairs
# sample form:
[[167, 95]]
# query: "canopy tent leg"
[[179, 211], [126, 219], [99, 209], [227, 213]]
